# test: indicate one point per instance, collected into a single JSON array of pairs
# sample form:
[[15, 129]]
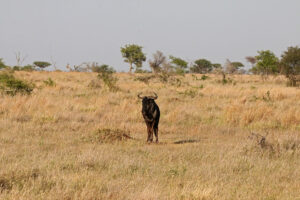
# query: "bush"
[[49, 82], [101, 68], [16, 68], [27, 68], [2, 64], [10, 85], [204, 77], [105, 74]]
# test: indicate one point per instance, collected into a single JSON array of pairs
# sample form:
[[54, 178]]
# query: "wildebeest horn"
[[139, 95], [152, 97]]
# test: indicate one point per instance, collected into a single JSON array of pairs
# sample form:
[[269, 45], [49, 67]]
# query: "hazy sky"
[[76, 31]]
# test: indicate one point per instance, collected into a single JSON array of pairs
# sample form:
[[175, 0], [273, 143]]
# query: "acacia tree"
[[266, 63], [232, 67], [133, 54], [180, 64], [290, 64], [158, 60], [41, 64], [202, 66]]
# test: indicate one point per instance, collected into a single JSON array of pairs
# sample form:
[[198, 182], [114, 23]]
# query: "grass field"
[[56, 143]]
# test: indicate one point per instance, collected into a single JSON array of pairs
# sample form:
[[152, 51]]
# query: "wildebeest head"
[[147, 101]]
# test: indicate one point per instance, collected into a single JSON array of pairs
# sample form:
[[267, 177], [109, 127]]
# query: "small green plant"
[[49, 82], [267, 96], [195, 77], [10, 85], [106, 75], [204, 77], [225, 81], [189, 93]]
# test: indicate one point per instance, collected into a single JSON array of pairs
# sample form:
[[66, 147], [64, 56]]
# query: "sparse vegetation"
[[89, 143], [10, 85], [49, 82], [105, 73], [2, 64]]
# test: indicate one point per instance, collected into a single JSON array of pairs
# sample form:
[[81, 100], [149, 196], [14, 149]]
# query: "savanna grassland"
[[66, 140]]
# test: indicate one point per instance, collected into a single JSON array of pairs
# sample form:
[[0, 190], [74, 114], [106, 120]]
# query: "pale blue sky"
[[76, 31]]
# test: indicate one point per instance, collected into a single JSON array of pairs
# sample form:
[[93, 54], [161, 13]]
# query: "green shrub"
[[50, 82], [106, 75], [10, 85], [2, 64], [204, 77], [102, 68], [28, 68], [16, 68]]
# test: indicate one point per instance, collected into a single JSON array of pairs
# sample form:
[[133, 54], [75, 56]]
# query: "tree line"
[[264, 63]]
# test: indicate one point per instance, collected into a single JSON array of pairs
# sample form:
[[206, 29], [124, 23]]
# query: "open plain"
[[75, 139]]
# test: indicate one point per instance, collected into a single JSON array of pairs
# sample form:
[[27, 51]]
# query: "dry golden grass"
[[51, 145]]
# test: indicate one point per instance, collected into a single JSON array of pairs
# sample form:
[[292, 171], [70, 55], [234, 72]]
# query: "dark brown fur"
[[151, 114]]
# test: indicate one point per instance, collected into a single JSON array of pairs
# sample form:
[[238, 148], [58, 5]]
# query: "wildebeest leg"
[[151, 132], [156, 132]]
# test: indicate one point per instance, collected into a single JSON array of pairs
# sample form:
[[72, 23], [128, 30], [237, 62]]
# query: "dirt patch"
[[107, 136]]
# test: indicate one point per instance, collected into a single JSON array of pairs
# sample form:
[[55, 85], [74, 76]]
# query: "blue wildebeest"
[[151, 114]]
